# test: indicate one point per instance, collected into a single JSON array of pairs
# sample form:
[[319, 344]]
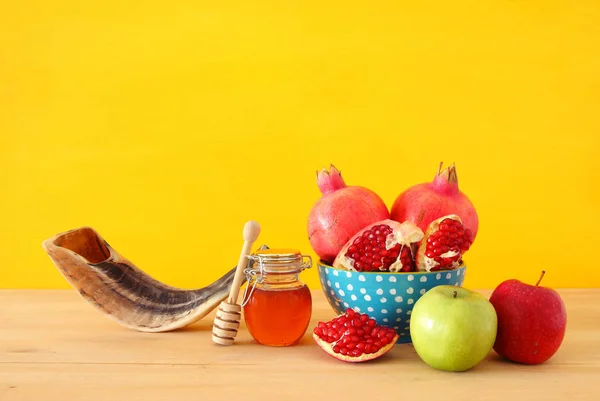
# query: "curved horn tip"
[[251, 231]]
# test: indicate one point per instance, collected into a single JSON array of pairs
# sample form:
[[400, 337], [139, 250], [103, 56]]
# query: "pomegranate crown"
[[330, 180], [447, 179], [449, 173]]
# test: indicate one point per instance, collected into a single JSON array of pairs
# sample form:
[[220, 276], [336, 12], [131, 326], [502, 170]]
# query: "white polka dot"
[[367, 297], [370, 309], [402, 334], [329, 283], [356, 309], [326, 271], [438, 276], [409, 312], [393, 291], [346, 304], [399, 319], [458, 272], [363, 291], [383, 300], [410, 301], [348, 274], [398, 299], [399, 310], [337, 285], [423, 291], [379, 291], [423, 279], [456, 284], [392, 279], [410, 277], [379, 279], [396, 327], [384, 311], [385, 319], [410, 290], [335, 272], [350, 287], [407, 321], [361, 278], [332, 292], [341, 292], [448, 276], [353, 297], [406, 327]]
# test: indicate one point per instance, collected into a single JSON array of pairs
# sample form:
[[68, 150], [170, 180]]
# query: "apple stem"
[[454, 294], [541, 277]]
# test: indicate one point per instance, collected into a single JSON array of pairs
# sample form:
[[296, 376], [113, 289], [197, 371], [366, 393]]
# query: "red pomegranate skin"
[[340, 214], [531, 322]]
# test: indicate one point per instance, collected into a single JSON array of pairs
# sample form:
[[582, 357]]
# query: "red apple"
[[531, 321]]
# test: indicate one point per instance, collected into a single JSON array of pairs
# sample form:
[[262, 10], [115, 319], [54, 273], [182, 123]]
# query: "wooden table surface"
[[53, 346]]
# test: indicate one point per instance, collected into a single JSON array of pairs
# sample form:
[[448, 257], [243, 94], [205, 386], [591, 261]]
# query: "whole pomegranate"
[[340, 213], [426, 202]]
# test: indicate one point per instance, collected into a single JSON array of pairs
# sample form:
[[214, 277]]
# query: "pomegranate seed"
[[357, 352]]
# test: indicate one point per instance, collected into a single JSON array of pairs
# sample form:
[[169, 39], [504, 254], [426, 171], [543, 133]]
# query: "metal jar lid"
[[280, 260]]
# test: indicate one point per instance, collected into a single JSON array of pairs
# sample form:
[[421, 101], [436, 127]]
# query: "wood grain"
[[54, 346]]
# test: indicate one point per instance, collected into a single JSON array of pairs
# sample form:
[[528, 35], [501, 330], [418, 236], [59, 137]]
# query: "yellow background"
[[166, 125]]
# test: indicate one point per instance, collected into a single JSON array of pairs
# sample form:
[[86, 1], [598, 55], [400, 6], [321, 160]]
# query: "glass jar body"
[[278, 309]]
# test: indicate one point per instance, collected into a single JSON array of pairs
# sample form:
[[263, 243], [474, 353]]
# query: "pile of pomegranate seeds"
[[448, 243], [370, 254], [354, 334]]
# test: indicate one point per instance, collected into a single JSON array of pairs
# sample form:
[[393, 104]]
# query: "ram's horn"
[[119, 289]]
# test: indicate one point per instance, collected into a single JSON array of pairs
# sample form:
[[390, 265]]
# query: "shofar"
[[119, 289]]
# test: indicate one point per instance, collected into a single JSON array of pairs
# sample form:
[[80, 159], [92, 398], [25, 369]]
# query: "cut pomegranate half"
[[444, 244], [354, 337], [383, 246]]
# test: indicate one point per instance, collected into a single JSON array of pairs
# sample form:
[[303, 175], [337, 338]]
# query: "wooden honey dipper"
[[229, 314]]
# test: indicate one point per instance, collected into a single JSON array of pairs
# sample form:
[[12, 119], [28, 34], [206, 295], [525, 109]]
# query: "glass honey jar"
[[277, 305]]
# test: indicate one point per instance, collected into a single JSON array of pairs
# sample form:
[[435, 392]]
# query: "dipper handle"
[[229, 314], [251, 232]]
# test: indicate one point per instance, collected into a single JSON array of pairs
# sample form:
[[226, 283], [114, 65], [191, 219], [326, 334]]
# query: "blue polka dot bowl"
[[387, 297]]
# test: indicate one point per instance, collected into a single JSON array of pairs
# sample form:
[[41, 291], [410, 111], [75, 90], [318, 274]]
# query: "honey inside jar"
[[278, 307]]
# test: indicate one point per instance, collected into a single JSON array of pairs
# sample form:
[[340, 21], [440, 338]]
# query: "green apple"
[[453, 328]]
